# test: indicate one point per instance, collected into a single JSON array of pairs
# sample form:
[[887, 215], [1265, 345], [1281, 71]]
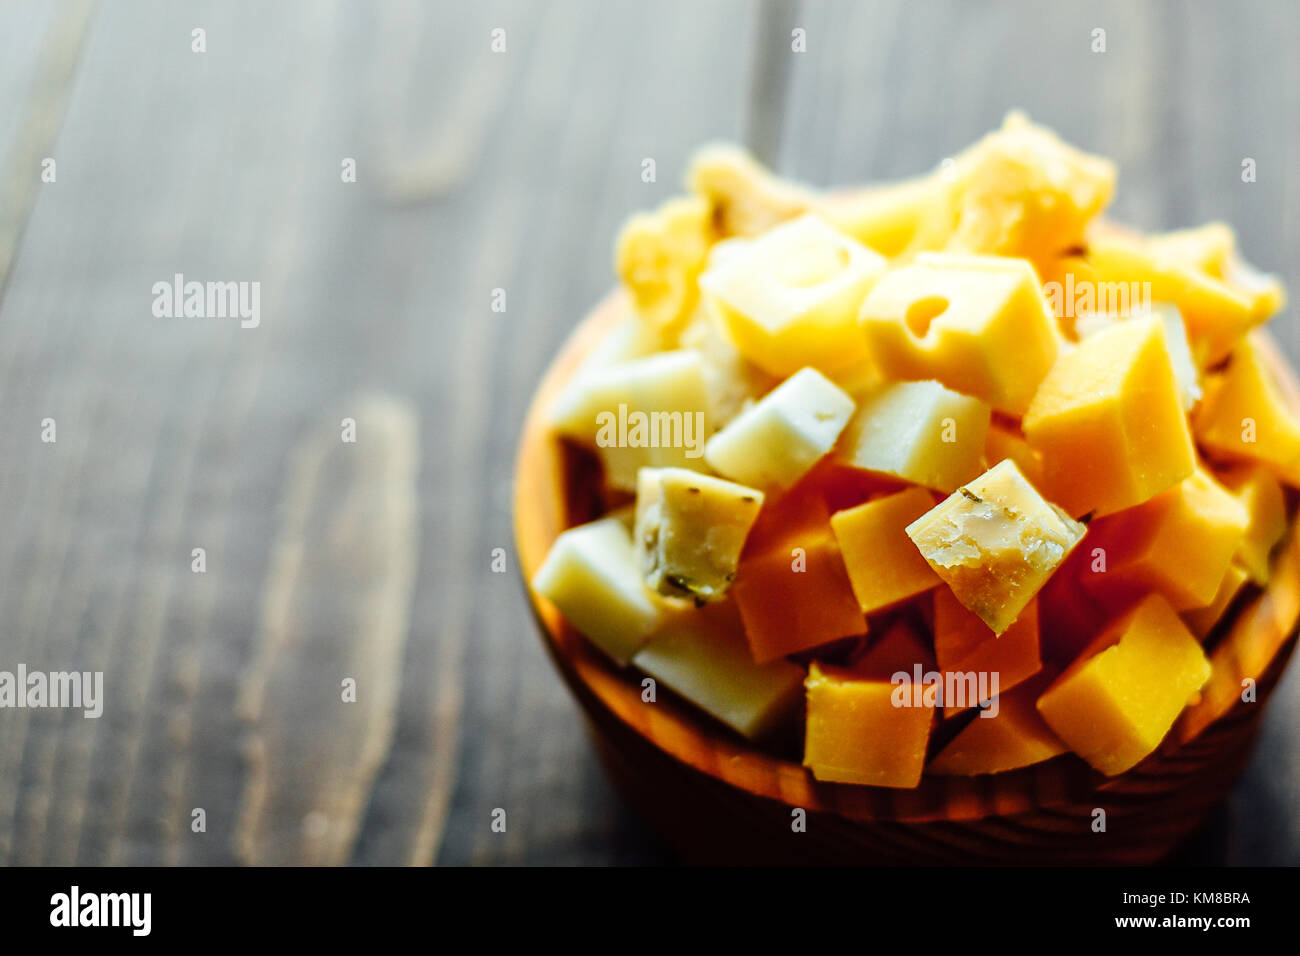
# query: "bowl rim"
[[543, 505]]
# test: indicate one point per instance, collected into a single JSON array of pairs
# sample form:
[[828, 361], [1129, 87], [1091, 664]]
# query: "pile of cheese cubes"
[[977, 472]]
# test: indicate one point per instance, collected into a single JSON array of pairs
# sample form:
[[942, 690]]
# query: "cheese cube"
[[1202, 620], [1116, 703], [995, 541], [792, 589], [964, 645], [790, 298], [919, 432], [731, 380], [573, 412], [1109, 423], [883, 564], [978, 324], [1205, 248], [591, 575], [1180, 351], [1012, 737], [900, 650], [1261, 495], [660, 255], [856, 734], [702, 655], [1179, 543], [690, 529], [744, 198], [1005, 440], [774, 442], [1246, 415], [885, 218]]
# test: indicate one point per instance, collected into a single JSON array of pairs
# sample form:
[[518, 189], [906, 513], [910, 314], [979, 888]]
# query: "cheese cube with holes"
[[1108, 421], [790, 298], [995, 541], [1179, 543], [919, 432], [855, 733], [1115, 704], [978, 324], [883, 564], [660, 255], [775, 441], [1246, 415], [702, 655], [690, 529], [591, 575], [792, 589], [1261, 495], [649, 412]]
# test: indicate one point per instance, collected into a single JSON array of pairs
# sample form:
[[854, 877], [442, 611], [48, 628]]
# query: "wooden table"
[[372, 560]]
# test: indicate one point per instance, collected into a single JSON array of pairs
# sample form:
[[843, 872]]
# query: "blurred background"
[[202, 531]]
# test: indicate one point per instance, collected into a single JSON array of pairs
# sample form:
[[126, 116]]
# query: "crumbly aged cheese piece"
[[964, 645], [790, 298], [690, 529], [774, 442], [660, 255], [1186, 373], [919, 432], [1202, 620], [1245, 415], [1108, 421], [1115, 704], [883, 564], [591, 575], [1261, 495], [702, 655], [1179, 543], [791, 587], [856, 734], [978, 324], [1011, 736], [744, 198], [995, 541]]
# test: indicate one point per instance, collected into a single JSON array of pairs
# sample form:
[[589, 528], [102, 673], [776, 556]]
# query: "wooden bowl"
[[716, 798]]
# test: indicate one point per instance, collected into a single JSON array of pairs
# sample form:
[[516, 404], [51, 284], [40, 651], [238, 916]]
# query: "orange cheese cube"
[[1109, 423], [1202, 620], [1246, 415], [1179, 543], [964, 645], [857, 734], [995, 541], [918, 432], [899, 650], [977, 324], [1005, 737], [1005, 440], [1116, 703], [884, 566], [794, 592], [789, 299], [1261, 495]]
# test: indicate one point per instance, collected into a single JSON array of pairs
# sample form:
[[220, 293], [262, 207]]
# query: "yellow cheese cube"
[[978, 324], [790, 298], [774, 442], [702, 655], [1116, 703], [1005, 440], [591, 575], [744, 198], [884, 566], [1186, 373], [856, 734], [1108, 421], [690, 529], [1205, 248], [1179, 543], [920, 432], [1006, 736], [1246, 415], [995, 541], [1202, 620], [885, 218], [660, 255], [1261, 495]]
